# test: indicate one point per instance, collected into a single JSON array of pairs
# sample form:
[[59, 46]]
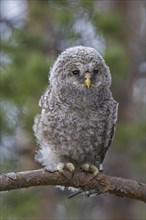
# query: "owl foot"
[[94, 170], [70, 167], [62, 166], [85, 167], [90, 168]]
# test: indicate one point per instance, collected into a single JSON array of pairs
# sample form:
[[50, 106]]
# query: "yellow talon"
[[94, 170], [85, 166], [70, 167], [60, 167]]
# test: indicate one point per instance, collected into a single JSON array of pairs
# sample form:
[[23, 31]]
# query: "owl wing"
[[44, 100], [109, 129]]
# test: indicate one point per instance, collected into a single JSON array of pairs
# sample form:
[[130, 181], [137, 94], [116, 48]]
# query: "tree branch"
[[102, 182]]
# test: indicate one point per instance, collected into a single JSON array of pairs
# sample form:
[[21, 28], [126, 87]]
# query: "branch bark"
[[101, 183]]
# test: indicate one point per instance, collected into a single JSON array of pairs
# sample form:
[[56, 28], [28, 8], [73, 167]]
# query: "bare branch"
[[102, 182]]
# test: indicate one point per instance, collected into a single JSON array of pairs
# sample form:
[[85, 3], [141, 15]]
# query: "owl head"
[[81, 68]]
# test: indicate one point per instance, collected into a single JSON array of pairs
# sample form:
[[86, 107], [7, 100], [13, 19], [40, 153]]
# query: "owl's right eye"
[[76, 72]]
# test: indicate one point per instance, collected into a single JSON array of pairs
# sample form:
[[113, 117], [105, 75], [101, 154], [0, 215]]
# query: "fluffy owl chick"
[[76, 125]]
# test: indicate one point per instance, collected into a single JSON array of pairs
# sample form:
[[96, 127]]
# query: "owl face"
[[81, 68]]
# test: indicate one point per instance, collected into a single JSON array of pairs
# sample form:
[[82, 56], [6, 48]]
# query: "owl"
[[78, 113]]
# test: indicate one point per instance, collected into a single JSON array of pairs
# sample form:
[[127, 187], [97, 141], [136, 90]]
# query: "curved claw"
[[94, 170], [70, 167], [60, 167], [85, 167], [90, 168]]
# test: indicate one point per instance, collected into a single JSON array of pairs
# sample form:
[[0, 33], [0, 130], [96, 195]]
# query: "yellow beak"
[[87, 80]]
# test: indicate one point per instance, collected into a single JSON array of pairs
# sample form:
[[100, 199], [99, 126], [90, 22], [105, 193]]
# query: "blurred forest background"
[[33, 33]]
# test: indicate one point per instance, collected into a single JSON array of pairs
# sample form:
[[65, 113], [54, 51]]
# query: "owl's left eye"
[[95, 71], [76, 72]]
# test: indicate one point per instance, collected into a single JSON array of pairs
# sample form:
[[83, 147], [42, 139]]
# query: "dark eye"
[[76, 72], [95, 71]]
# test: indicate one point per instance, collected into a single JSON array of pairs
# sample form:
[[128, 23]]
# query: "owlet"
[[78, 117]]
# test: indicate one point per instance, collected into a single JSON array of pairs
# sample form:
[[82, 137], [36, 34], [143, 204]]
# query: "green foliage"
[[35, 13], [110, 24], [125, 134], [62, 16], [17, 202], [19, 81], [87, 5], [63, 3], [9, 164], [4, 123], [28, 41], [24, 79], [131, 139], [23, 83], [117, 59]]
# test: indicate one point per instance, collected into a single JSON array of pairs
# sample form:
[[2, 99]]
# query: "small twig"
[[75, 194]]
